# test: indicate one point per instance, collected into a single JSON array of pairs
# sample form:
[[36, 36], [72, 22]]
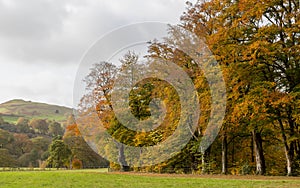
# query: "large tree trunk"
[[224, 154], [289, 162], [205, 160], [288, 155], [122, 160], [259, 154]]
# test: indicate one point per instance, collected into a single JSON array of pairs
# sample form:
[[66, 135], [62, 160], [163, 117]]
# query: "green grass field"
[[10, 119], [98, 178], [12, 110]]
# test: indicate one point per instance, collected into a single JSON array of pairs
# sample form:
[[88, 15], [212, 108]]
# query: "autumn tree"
[[22, 144], [82, 154], [39, 125], [99, 84], [256, 42], [181, 48], [257, 46]]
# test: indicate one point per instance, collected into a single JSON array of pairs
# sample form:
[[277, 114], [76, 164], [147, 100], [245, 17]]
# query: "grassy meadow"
[[100, 178]]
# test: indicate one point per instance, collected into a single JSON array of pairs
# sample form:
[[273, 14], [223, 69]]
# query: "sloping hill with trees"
[[29, 129]]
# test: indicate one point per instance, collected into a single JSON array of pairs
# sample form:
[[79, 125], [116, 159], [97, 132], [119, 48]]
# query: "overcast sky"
[[42, 41]]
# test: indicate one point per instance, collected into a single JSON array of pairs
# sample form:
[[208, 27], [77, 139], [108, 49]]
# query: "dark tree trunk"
[[232, 153], [252, 150], [122, 160], [224, 154], [259, 154]]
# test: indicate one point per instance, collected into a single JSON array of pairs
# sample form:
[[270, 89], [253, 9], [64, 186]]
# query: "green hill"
[[12, 110]]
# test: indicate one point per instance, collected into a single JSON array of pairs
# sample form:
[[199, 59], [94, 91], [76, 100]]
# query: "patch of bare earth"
[[238, 177]]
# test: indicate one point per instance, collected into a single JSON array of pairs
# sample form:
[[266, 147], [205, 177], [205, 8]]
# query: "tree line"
[[256, 43]]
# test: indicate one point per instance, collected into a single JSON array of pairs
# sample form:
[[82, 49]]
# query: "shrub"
[[76, 164]]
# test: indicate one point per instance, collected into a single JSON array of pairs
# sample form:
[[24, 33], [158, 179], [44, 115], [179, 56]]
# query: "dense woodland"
[[256, 43], [41, 143]]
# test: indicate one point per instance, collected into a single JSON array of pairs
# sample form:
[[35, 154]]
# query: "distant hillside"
[[12, 110]]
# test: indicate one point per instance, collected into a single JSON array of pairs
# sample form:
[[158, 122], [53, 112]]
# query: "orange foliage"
[[72, 130]]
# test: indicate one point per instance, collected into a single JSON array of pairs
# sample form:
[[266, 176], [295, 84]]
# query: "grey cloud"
[[60, 31], [42, 41], [31, 19], [35, 30]]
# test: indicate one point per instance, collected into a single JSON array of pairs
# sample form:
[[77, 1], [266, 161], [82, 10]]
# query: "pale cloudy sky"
[[42, 41]]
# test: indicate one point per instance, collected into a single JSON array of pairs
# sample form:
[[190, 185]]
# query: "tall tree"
[[99, 83], [260, 41], [59, 154]]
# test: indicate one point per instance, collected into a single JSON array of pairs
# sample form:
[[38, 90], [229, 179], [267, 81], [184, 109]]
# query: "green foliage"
[[1, 120], [55, 129], [59, 154], [28, 140], [6, 160], [257, 45], [23, 125], [82, 152], [29, 159], [6, 138]]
